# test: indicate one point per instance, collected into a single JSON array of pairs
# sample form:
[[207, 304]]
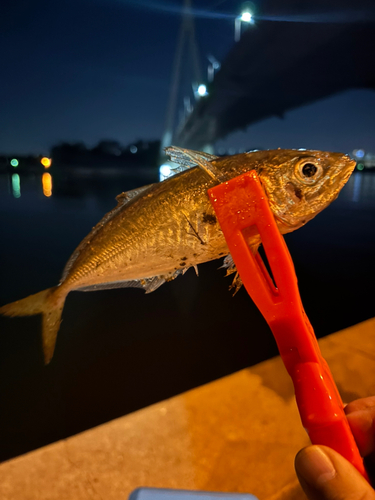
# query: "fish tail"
[[47, 304]]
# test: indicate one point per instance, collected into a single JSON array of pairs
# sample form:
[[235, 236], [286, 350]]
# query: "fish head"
[[301, 183]]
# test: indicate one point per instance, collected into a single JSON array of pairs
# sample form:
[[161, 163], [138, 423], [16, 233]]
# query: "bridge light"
[[212, 67], [202, 90], [246, 17], [14, 162], [165, 171]]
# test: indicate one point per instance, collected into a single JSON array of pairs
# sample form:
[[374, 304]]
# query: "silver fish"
[[157, 232]]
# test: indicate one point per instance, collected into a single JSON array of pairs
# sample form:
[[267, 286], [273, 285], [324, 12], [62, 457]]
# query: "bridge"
[[282, 63]]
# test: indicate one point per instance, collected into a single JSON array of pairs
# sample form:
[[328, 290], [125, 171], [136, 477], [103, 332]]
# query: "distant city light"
[[133, 149], [202, 90], [16, 185], [46, 162], [359, 153], [47, 184], [360, 166], [246, 17], [14, 162]]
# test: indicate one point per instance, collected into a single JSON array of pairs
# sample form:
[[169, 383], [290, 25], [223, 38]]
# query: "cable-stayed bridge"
[[280, 63]]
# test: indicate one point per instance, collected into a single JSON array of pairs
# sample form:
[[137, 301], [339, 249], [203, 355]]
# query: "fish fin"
[[148, 284], [190, 158], [185, 157], [40, 303], [236, 284], [229, 265], [122, 200]]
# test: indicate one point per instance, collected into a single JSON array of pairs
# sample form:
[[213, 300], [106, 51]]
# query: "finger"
[[360, 404], [362, 424], [326, 475]]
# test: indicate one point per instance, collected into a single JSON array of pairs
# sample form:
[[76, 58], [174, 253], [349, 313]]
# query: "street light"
[[245, 17], [202, 90]]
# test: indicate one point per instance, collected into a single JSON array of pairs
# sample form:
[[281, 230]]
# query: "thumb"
[[326, 475]]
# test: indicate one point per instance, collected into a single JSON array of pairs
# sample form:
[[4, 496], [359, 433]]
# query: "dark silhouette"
[[107, 153]]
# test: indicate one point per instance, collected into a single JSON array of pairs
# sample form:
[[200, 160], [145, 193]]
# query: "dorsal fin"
[[122, 200], [190, 158]]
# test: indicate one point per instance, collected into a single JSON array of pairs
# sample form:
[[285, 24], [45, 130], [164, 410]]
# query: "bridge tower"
[[186, 46]]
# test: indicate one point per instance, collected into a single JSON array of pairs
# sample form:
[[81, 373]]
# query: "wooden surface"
[[238, 434]]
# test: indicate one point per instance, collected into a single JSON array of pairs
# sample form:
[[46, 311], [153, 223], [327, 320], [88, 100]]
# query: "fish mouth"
[[344, 168], [349, 162], [348, 166]]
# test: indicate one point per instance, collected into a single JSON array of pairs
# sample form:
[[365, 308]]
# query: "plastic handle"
[[242, 209]]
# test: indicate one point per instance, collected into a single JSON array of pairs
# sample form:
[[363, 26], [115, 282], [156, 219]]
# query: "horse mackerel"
[[157, 232]]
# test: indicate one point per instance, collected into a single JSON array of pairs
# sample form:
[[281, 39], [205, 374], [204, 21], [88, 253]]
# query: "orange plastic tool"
[[242, 210]]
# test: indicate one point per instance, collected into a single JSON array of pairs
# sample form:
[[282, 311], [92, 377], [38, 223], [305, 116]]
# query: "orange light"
[[46, 162], [47, 184]]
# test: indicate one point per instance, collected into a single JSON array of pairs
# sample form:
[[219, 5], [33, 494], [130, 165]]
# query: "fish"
[[157, 232]]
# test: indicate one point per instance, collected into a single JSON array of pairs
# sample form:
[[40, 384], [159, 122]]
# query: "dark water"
[[121, 350]]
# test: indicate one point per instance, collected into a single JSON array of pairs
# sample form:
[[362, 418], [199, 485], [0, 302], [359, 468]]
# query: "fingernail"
[[315, 466]]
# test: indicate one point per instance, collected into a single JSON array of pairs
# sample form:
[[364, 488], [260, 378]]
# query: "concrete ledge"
[[238, 434]]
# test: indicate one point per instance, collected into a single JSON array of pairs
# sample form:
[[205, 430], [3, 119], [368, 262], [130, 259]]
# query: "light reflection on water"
[[47, 184], [53, 210], [359, 189], [16, 185], [65, 191]]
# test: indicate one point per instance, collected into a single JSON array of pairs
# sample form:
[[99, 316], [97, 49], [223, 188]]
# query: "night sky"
[[85, 70]]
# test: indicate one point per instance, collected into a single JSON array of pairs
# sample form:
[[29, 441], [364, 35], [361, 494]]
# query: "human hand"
[[326, 475]]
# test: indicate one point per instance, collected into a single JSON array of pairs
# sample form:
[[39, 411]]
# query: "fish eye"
[[308, 171]]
